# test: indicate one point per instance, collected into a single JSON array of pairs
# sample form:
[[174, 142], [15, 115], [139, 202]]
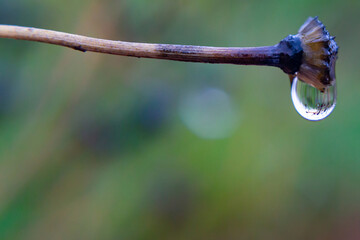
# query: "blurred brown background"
[[96, 146]]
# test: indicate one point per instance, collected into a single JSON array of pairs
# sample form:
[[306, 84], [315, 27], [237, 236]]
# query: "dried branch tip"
[[319, 54]]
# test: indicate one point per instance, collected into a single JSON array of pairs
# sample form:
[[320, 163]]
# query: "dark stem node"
[[291, 54]]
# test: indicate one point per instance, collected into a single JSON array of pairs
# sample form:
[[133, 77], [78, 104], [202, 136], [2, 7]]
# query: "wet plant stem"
[[279, 55]]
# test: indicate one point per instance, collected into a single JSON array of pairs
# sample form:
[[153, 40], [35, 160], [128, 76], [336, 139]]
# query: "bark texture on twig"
[[188, 53]]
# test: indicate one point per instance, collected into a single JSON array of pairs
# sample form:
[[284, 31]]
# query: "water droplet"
[[311, 103]]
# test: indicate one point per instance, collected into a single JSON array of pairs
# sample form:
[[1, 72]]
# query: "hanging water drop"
[[311, 103]]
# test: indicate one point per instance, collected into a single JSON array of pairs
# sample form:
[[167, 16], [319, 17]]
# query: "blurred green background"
[[95, 146]]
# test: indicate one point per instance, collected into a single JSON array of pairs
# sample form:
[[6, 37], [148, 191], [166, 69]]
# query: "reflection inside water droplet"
[[311, 103]]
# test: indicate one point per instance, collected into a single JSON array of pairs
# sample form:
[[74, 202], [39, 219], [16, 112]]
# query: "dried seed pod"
[[319, 55]]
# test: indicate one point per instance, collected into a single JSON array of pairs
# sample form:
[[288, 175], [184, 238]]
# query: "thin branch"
[[311, 54], [188, 53]]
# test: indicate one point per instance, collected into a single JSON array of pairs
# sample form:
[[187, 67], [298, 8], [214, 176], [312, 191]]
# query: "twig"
[[283, 55]]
